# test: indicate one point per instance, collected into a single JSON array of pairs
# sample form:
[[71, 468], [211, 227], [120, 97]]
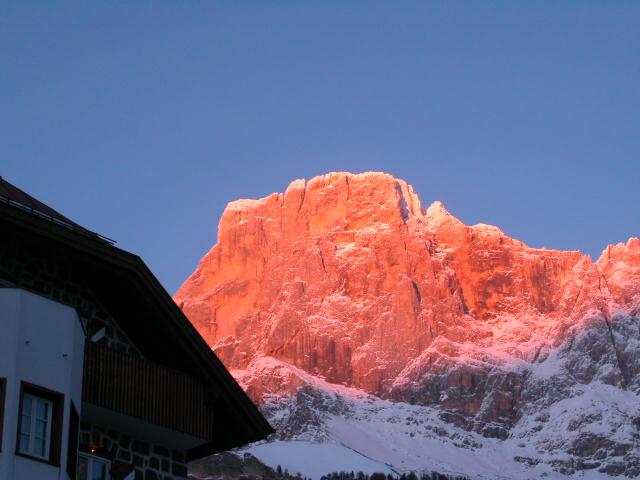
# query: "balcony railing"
[[147, 391]]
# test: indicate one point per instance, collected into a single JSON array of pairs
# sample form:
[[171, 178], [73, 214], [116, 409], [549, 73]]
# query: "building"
[[101, 375]]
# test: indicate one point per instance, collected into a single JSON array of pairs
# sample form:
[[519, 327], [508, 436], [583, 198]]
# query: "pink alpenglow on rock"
[[347, 277]]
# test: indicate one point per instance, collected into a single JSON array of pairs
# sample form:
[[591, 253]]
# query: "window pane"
[[26, 405], [25, 424], [98, 470], [24, 443], [41, 428], [38, 447], [83, 467], [42, 410]]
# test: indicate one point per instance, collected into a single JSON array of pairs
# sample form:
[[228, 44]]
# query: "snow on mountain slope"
[[312, 460], [325, 421]]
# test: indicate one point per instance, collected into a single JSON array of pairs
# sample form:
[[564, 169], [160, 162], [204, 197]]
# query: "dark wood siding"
[[72, 446], [146, 390]]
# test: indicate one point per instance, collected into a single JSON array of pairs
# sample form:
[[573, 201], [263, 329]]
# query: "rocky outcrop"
[[348, 277], [328, 276], [620, 267]]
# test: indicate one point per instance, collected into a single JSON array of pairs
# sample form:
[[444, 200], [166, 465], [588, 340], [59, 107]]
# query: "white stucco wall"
[[41, 342]]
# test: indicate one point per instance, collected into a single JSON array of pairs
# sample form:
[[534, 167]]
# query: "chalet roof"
[[12, 195], [143, 308]]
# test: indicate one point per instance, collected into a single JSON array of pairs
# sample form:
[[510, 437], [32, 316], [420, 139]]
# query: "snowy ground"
[[316, 459]]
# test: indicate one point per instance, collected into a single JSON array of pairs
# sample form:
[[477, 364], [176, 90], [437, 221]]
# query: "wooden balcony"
[[147, 391]]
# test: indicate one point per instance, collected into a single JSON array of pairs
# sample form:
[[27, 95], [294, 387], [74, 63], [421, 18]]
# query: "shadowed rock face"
[[348, 277]]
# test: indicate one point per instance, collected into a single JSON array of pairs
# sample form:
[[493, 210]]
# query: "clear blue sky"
[[141, 120]]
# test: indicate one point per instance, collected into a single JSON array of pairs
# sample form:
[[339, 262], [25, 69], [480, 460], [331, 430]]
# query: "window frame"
[[54, 426], [91, 458], [31, 433]]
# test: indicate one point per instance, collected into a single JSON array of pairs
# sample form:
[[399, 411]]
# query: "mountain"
[[355, 316]]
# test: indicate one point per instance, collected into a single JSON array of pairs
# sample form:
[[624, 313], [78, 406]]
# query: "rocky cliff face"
[[349, 278]]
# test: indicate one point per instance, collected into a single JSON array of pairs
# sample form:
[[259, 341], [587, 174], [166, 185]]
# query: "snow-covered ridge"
[[325, 421]]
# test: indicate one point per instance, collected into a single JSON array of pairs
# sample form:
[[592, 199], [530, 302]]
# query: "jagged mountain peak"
[[438, 216], [348, 278], [359, 255], [620, 267]]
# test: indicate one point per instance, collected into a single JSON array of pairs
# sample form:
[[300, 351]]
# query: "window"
[[39, 424], [91, 467], [35, 426]]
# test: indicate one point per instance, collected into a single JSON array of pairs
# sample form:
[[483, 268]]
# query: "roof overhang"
[[151, 319]]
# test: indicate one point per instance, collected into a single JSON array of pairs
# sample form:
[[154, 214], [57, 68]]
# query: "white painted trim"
[[32, 427]]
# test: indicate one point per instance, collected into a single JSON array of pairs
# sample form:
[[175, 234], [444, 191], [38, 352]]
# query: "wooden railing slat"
[[146, 390]]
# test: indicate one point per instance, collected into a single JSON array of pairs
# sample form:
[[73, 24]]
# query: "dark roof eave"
[[189, 340], [200, 348], [213, 448]]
